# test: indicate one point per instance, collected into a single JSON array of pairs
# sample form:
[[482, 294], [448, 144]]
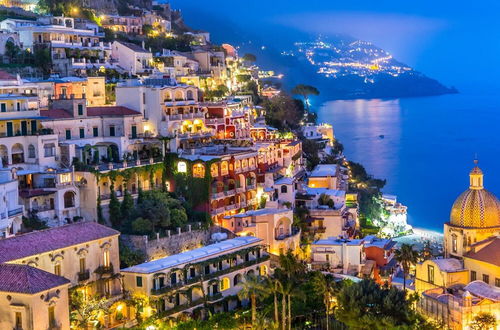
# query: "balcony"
[[321, 230], [284, 236], [240, 190], [218, 195], [104, 270], [15, 212], [83, 276], [230, 192], [243, 204], [218, 211], [251, 187], [215, 297], [230, 207]]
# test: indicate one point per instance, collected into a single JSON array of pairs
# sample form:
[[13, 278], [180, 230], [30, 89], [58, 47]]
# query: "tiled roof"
[[4, 75], [27, 279], [111, 111], [488, 251], [25, 245], [56, 114], [134, 47]]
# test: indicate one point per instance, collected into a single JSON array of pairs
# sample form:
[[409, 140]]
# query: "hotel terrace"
[[182, 282]]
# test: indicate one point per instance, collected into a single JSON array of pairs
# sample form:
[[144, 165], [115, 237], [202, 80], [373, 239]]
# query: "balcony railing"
[[218, 195], [14, 212], [83, 276], [240, 190], [104, 270], [251, 187], [230, 207], [229, 192], [295, 232], [212, 275]]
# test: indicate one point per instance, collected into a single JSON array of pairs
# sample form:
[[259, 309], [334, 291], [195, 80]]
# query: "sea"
[[424, 147]]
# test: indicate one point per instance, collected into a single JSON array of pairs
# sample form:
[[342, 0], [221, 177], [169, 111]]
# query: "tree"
[[86, 310], [324, 285], [366, 305], [305, 91], [127, 205], [406, 256], [251, 288], [243, 78], [130, 257], [483, 321], [249, 58], [178, 217], [141, 226], [154, 206], [12, 51], [115, 215], [43, 59]]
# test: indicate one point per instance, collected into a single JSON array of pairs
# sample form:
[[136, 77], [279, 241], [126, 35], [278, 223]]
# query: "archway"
[[17, 153], [69, 199]]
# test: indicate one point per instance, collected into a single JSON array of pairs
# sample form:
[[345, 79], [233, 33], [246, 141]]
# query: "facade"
[[131, 58], [32, 298], [229, 119], [12, 210], [339, 255], [126, 24], [273, 226], [216, 269]]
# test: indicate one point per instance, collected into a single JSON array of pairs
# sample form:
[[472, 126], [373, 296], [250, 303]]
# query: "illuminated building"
[[467, 281]]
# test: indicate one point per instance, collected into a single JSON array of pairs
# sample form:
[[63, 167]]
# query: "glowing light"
[[181, 167]]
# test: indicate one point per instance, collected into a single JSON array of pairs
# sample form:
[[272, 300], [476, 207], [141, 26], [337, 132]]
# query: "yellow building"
[[32, 299], [467, 282], [475, 216]]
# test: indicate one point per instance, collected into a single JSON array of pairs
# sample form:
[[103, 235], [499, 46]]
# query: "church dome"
[[476, 207]]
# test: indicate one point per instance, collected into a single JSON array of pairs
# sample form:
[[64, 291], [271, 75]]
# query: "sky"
[[456, 42]]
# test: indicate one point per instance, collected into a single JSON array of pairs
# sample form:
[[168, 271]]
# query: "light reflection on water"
[[427, 147]]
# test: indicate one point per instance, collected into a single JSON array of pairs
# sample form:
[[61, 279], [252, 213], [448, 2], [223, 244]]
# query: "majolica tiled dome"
[[476, 207]]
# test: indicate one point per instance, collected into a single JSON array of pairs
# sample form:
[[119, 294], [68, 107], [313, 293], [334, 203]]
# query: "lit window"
[[430, 273], [181, 167], [57, 269], [198, 171], [106, 261], [224, 284]]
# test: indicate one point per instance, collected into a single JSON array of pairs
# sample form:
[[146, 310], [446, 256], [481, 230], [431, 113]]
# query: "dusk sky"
[[456, 42]]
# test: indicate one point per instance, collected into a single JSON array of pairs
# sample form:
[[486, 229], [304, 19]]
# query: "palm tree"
[[325, 286], [406, 256], [251, 288], [305, 91], [272, 287]]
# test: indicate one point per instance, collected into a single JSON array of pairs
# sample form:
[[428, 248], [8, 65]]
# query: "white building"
[[131, 58], [11, 210], [342, 255]]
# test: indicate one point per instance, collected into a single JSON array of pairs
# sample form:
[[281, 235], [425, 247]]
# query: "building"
[[381, 251], [475, 216], [214, 271], [12, 210], [229, 119], [325, 176], [32, 298], [345, 256], [273, 226], [131, 58], [467, 282], [125, 24]]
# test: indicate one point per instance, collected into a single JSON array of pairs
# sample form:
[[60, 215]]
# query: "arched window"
[[284, 189], [189, 95], [454, 243], [237, 279], [214, 170], [179, 96], [224, 170], [225, 284], [69, 199], [198, 171], [263, 270], [31, 151]]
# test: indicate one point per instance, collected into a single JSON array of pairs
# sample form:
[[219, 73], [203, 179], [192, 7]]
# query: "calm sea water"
[[427, 149]]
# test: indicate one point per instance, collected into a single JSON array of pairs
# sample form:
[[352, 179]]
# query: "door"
[[10, 129], [33, 127], [24, 128], [134, 131]]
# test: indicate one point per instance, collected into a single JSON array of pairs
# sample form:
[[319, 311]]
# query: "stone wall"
[[175, 242]]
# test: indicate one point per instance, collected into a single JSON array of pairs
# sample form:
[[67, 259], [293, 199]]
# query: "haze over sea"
[[429, 143]]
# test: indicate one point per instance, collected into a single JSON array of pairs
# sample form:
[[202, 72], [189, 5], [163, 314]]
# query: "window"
[[68, 134], [52, 315], [207, 269], [138, 281], [69, 199], [486, 279], [3, 107], [181, 167], [473, 276], [95, 131], [82, 133], [198, 171], [105, 258], [18, 106], [82, 265], [284, 189], [497, 282], [430, 273], [454, 243], [192, 272], [80, 109], [134, 131], [143, 98], [112, 130], [57, 269], [31, 151], [225, 284], [19, 320], [49, 150]]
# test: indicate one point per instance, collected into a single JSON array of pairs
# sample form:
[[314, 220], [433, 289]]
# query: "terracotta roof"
[[25, 245], [486, 251], [56, 114], [27, 279], [4, 75], [111, 111]]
